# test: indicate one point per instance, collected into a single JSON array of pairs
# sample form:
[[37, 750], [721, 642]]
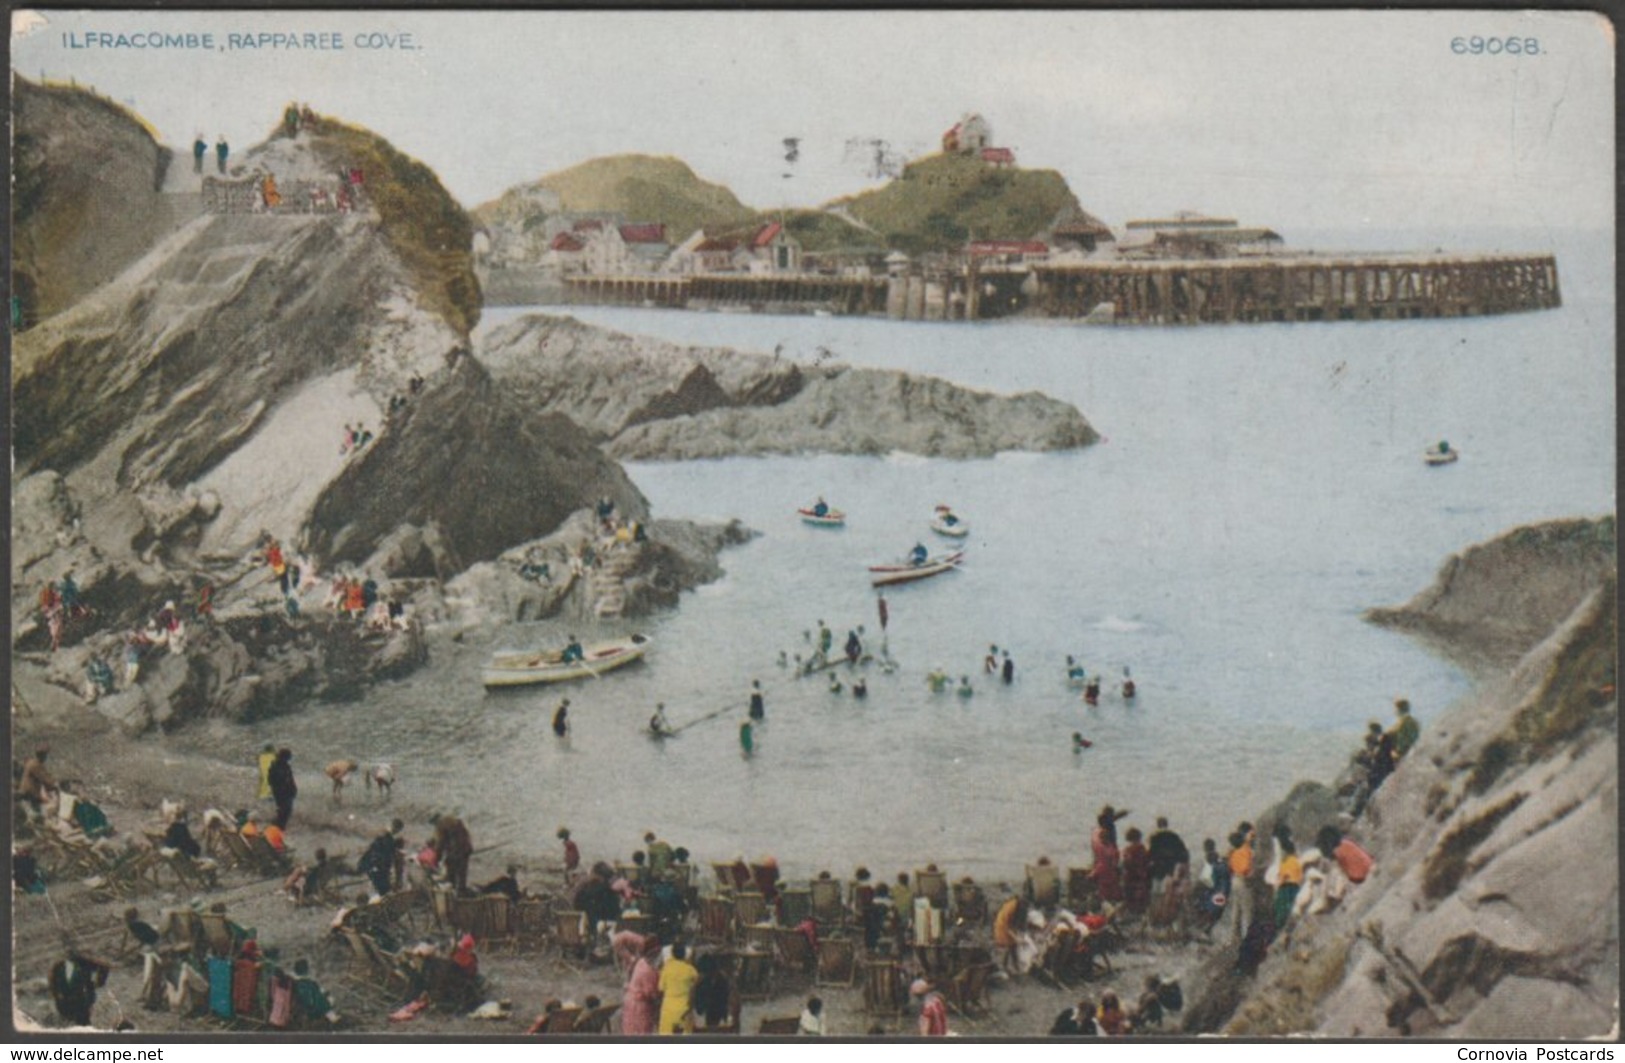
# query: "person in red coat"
[[1136, 872]]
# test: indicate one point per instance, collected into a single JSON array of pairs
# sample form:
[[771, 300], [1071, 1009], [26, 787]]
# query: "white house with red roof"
[[969, 135]]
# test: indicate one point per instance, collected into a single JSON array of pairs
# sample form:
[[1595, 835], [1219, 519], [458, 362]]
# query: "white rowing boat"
[[887, 575], [833, 518], [957, 530], [1440, 457], [512, 669]]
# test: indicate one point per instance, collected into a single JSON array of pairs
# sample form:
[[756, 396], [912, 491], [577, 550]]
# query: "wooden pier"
[[1308, 287], [770, 293], [1298, 288]]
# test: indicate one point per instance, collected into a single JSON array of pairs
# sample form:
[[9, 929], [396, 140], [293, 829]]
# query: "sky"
[[1355, 120]]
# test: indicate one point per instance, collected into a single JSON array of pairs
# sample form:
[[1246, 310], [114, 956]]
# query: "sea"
[[1256, 488]]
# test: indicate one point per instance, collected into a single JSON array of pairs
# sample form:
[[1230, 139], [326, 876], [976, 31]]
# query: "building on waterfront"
[[646, 245], [1191, 235], [766, 249], [1009, 253], [999, 158], [1076, 230]]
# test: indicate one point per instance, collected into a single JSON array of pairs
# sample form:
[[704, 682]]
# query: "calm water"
[[1260, 486]]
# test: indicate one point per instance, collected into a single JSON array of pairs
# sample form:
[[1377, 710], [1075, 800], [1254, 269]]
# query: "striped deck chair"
[[717, 918], [795, 904], [219, 973], [825, 894], [883, 992], [795, 951], [933, 886], [533, 918], [570, 931], [750, 907]]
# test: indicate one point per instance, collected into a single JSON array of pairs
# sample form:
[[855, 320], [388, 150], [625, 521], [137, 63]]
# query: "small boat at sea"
[[512, 669], [887, 575], [830, 518], [945, 523], [1441, 454]]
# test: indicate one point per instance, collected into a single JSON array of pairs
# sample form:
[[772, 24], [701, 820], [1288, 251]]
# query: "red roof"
[[1008, 247], [765, 234], [716, 243], [566, 242], [653, 233], [998, 155], [588, 225]]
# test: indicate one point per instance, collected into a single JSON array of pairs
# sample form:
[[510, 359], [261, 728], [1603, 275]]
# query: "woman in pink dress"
[[640, 1005], [1104, 845]]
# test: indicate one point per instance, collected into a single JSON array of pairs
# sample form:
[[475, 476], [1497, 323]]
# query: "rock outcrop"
[[647, 399], [87, 200], [1493, 912]]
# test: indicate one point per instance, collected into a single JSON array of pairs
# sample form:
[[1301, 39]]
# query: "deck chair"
[[937, 962], [448, 987], [1080, 888], [397, 907], [966, 992], [970, 903], [361, 962], [717, 918], [933, 886], [596, 1020], [795, 951], [750, 907], [795, 904], [532, 918], [763, 937], [837, 962], [883, 988], [637, 922], [681, 876], [127, 874], [570, 931], [779, 1025], [468, 916], [217, 933], [442, 898], [753, 976], [725, 877], [499, 920], [182, 928], [1043, 887], [267, 856], [240, 854], [825, 896], [565, 1020], [195, 875]]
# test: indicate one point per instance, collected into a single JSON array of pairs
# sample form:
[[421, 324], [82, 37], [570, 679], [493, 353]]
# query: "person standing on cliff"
[[283, 787], [200, 148], [1406, 729], [221, 151]]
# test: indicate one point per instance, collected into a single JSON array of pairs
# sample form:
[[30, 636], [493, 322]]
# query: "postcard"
[[1000, 524]]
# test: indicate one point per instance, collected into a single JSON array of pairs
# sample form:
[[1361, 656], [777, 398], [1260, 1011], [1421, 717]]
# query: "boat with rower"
[[512, 668], [908, 572], [829, 518]]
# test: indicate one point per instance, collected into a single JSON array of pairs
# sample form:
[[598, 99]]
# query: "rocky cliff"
[[1494, 909], [170, 418], [86, 199], [647, 399]]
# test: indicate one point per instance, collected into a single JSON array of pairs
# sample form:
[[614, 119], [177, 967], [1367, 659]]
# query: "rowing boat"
[[832, 519], [956, 530], [511, 669], [1440, 457], [887, 575]]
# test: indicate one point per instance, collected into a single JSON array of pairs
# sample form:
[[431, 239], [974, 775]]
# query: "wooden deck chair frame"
[[750, 906], [970, 903], [275, 863], [533, 922], [571, 934], [837, 962], [795, 951], [725, 877], [596, 1020], [966, 992], [933, 886], [442, 896], [1080, 888], [825, 898], [795, 904], [564, 1021], [883, 992], [1043, 886], [468, 916], [217, 936], [190, 874], [240, 853], [779, 1026], [717, 918], [753, 975], [500, 926]]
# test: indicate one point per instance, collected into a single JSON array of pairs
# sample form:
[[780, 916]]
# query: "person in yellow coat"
[[267, 758], [677, 979]]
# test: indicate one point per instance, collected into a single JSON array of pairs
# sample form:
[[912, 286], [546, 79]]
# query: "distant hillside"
[[941, 201], [645, 188]]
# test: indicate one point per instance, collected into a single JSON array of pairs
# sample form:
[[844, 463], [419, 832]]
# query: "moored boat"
[[509, 669], [945, 522], [1442, 454], [830, 518], [887, 575]]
